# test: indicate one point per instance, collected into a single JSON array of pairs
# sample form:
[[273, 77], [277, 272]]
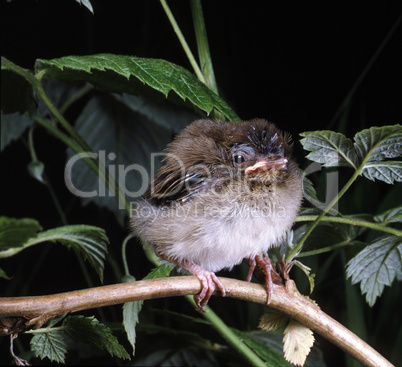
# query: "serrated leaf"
[[270, 321], [390, 216], [309, 191], [13, 126], [165, 115], [388, 171], [379, 143], [90, 330], [138, 76], [162, 271], [314, 359], [14, 233], [131, 311], [376, 266], [88, 241], [329, 148], [266, 351], [49, 345], [297, 342]]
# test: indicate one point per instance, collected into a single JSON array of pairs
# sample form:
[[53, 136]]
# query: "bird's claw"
[[208, 282], [265, 264]]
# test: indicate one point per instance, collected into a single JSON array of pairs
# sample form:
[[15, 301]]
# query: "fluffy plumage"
[[226, 192]]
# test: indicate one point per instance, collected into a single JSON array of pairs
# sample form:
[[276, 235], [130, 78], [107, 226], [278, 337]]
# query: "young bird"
[[226, 192]]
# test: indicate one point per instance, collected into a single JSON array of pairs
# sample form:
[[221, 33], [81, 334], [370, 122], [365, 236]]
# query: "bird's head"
[[209, 155], [260, 151]]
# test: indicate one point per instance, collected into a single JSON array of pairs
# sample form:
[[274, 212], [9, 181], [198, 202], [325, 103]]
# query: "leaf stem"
[[183, 41], [47, 329], [293, 251], [219, 325], [124, 255], [204, 54], [31, 145], [82, 146], [66, 140], [353, 222], [80, 93], [324, 249], [230, 336]]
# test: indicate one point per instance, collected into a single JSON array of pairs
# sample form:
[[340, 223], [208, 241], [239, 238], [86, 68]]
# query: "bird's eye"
[[239, 159]]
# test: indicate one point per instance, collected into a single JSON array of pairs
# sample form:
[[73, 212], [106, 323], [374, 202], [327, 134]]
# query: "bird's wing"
[[168, 188]]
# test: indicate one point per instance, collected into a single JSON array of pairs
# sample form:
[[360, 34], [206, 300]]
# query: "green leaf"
[[297, 342], [13, 126], [264, 346], [89, 241], [14, 234], [327, 236], [131, 310], [390, 216], [309, 191], [275, 340], [3, 274], [379, 143], [138, 76], [17, 94], [162, 271], [90, 330], [376, 266], [329, 148], [124, 139], [49, 345], [388, 171]]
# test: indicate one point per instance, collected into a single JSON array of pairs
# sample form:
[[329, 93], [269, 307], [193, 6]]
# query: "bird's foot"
[[269, 273], [207, 278], [208, 281]]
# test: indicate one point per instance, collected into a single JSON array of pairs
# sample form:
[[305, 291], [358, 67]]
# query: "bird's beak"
[[265, 165]]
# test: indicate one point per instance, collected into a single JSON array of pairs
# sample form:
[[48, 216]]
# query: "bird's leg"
[[252, 263], [283, 269], [265, 264], [207, 278]]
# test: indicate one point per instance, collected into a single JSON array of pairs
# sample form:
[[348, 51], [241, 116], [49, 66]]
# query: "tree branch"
[[18, 314]]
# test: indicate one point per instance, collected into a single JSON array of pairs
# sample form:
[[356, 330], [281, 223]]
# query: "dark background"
[[290, 62]]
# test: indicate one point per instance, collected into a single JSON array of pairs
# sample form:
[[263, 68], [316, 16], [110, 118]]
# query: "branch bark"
[[22, 313]]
